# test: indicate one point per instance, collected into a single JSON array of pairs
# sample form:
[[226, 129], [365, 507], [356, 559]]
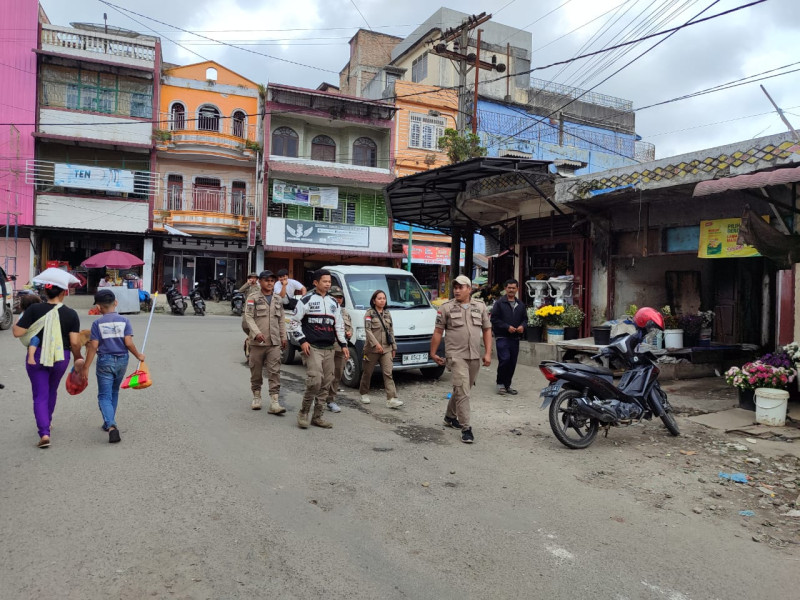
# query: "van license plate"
[[414, 359]]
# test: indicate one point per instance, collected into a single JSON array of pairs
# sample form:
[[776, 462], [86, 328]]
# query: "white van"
[[412, 315], [6, 293]]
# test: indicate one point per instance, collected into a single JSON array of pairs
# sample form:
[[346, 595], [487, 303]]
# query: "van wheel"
[[287, 354], [8, 318], [432, 372], [351, 375]]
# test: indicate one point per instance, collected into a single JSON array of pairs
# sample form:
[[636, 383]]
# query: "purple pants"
[[44, 383]]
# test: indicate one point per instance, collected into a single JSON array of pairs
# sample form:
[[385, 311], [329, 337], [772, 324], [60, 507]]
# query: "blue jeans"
[[110, 373], [507, 353]]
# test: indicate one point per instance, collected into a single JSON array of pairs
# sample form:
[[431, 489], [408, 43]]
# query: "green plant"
[[551, 315], [573, 316], [534, 320], [254, 146], [461, 147], [162, 135], [631, 310], [670, 320]]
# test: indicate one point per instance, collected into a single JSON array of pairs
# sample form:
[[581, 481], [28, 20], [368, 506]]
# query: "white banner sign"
[[304, 195], [93, 178]]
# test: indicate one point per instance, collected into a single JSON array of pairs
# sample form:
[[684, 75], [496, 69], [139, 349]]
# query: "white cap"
[[463, 280], [57, 277]]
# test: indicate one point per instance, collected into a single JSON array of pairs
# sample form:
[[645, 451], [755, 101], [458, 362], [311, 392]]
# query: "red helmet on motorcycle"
[[647, 318]]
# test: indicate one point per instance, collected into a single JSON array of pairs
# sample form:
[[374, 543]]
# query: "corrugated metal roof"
[[744, 182]]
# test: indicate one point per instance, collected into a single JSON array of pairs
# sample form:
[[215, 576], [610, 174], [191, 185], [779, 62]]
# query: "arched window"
[[208, 118], [177, 117], [238, 123], [211, 74], [323, 148], [365, 152], [284, 142]]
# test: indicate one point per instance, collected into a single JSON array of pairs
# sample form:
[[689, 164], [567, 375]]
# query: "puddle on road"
[[421, 435]]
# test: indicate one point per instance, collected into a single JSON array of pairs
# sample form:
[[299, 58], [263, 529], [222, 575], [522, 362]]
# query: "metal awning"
[[437, 198], [744, 182]]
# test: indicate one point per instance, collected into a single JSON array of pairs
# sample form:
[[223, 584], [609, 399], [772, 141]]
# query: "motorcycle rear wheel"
[[564, 419]]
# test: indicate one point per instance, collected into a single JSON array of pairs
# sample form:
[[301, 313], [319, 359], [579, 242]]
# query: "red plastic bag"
[[75, 382], [139, 379]]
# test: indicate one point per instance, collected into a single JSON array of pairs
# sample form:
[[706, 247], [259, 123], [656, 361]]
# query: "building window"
[[211, 74], [238, 123], [141, 106], [174, 192], [365, 152], [177, 116], [284, 142], [425, 131], [208, 118], [323, 148], [419, 68]]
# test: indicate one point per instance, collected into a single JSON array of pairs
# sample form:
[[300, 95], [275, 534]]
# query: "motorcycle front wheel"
[[574, 430], [660, 397]]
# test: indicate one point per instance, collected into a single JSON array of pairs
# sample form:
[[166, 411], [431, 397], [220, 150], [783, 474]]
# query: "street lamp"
[[436, 113]]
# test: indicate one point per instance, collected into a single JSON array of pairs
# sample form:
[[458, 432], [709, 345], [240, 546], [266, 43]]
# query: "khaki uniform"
[[266, 318], [464, 327], [377, 335], [338, 358]]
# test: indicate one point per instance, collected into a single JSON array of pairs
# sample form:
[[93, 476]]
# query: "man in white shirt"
[[287, 288]]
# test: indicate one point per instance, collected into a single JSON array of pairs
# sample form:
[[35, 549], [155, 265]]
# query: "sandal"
[[44, 442]]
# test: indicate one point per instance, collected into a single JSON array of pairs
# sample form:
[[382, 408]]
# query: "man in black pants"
[[509, 320]]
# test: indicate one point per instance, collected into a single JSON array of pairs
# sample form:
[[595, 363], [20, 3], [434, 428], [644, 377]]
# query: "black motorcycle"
[[583, 398], [175, 299], [198, 304], [237, 302]]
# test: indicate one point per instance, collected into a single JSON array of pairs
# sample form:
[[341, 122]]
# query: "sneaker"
[[394, 403], [333, 407], [511, 391], [452, 422], [113, 436], [44, 442], [467, 437], [501, 390], [365, 399]]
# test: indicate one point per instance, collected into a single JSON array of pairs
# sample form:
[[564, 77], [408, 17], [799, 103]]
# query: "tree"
[[461, 147]]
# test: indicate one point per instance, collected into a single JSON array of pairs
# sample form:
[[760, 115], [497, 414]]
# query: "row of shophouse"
[[208, 174]]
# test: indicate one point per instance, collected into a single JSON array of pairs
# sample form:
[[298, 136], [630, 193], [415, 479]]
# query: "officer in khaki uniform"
[[466, 321], [338, 358], [264, 323]]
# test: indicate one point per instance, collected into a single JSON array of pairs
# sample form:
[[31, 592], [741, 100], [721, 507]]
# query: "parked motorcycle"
[[213, 291], [198, 304], [583, 398], [237, 302], [177, 303]]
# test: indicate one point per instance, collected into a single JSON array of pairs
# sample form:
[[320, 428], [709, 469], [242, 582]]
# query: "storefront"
[[431, 266], [204, 261]]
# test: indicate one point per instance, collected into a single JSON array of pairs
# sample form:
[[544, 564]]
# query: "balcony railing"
[[106, 46], [207, 200], [540, 85], [91, 180], [645, 152], [188, 128]]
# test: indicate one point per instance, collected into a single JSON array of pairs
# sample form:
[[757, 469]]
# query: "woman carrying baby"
[[56, 329]]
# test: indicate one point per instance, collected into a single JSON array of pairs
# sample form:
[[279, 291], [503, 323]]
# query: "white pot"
[[673, 338]]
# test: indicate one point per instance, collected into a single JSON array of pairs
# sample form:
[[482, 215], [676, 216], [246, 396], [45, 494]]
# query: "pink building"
[[17, 125]]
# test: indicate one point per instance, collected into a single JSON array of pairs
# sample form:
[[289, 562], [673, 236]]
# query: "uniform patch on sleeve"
[[368, 318], [251, 302]]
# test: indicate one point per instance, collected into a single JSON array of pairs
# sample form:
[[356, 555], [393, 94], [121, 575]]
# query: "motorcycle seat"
[[598, 370]]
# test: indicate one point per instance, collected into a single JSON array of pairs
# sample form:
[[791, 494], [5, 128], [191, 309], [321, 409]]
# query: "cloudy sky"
[[315, 33]]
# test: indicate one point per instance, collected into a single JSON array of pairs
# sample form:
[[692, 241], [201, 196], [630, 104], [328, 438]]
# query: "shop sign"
[[251, 234], [326, 234], [93, 178], [431, 255], [718, 239], [303, 195]]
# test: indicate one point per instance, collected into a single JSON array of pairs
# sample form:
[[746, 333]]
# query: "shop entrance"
[[204, 274]]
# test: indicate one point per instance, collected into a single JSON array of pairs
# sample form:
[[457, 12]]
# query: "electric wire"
[[353, 2]]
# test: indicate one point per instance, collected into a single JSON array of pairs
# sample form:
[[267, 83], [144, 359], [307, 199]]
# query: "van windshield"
[[402, 291]]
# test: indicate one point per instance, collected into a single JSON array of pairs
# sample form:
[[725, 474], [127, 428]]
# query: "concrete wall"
[[369, 52], [95, 127], [66, 212]]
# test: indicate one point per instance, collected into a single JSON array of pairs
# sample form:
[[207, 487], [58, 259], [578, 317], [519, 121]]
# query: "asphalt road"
[[205, 498]]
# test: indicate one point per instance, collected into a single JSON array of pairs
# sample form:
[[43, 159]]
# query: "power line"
[[580, 26], [353, 2], [534, 22], [286, 60]]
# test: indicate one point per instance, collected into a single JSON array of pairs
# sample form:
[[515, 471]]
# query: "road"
[[205, 498]]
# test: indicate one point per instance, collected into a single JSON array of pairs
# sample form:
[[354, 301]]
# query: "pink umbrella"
[[113, 259]]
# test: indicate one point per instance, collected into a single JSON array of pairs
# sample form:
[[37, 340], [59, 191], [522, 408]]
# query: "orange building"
[[423, 113], [209, 151]]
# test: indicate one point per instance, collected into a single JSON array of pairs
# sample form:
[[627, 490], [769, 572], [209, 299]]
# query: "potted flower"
[[673, 335], [691, 325], [552, 317], [533, 331], [771, 371], [572, 319]]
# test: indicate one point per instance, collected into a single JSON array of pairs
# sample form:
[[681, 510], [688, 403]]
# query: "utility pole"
[[781, 115], [465, 62]]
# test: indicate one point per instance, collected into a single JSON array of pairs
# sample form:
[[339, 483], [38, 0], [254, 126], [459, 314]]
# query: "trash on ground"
[[735, 477], [747, 513], [688, 452]]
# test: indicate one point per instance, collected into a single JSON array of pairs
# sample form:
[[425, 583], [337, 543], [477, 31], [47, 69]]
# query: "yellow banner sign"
[[718, 240]]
